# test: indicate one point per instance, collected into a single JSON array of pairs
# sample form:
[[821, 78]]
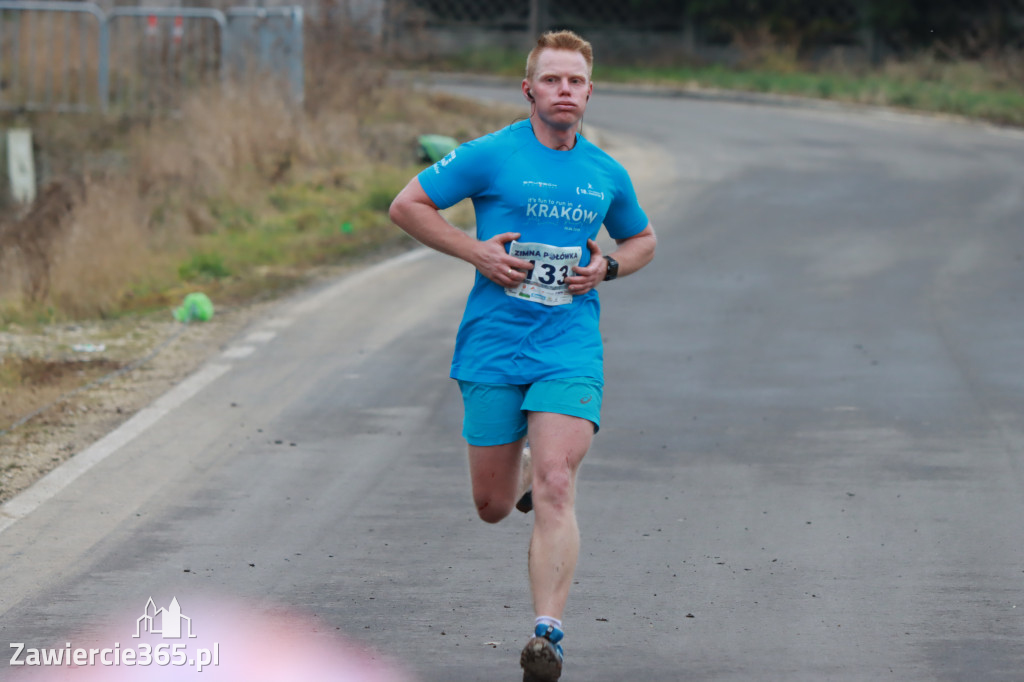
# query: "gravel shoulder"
[[87, 378]]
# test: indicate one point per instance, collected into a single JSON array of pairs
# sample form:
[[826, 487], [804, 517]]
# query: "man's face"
[[560, 87]]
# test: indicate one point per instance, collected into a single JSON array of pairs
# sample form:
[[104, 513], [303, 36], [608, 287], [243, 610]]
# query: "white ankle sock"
[[547, 620]]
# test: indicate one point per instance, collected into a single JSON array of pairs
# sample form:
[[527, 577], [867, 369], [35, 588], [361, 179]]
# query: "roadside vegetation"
[[988, 88], [238, 194], [241, 195]]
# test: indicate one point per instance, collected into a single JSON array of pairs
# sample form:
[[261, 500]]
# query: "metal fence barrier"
[[70, 74], [156, 52], [267, 39], [72, 56]]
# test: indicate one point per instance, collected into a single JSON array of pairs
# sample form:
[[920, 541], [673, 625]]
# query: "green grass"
[[979, 100], [298, 226], [203, 265], [491, 60]]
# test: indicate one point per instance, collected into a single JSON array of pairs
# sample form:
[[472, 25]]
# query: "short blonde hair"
[[559, 40]]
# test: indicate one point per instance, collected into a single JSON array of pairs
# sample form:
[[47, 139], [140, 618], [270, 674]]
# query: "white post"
[[21, 168]]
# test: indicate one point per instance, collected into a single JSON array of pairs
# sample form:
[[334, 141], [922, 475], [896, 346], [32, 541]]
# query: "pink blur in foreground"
[[249, 645]]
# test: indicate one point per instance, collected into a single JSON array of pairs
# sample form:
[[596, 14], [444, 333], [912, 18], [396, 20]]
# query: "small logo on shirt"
[[445, 161], [537, 183], [590, 192]]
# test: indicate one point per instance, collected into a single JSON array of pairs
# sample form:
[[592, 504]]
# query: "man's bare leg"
[[558, 443], [494, 472]]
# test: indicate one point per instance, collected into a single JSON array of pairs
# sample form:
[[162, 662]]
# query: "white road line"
[[55, 481], [260, 337], [235, 352]]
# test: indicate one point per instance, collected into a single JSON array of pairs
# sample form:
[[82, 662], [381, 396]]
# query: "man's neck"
[[557, 139]]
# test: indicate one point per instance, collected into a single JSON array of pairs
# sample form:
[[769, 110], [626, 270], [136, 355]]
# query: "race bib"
[[545, 283]]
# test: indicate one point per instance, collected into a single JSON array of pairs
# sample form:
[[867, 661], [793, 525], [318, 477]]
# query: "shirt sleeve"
[[625, 218], [464, 172]]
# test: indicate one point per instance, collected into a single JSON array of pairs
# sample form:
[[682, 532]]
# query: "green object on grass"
[[434, 147], [196, 306]]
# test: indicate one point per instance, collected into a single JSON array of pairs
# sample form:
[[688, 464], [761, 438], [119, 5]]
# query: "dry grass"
[[103, 247], [238, 192]]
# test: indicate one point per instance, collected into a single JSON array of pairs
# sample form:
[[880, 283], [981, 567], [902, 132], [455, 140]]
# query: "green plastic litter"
[[195, 307], [433, 148]]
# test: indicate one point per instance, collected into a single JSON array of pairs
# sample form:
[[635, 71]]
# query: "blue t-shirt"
[[557, 198]]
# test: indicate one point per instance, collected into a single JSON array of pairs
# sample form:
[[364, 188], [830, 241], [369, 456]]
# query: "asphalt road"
[[810, 466]]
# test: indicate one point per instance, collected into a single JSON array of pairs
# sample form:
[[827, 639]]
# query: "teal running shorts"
[[496, 413]]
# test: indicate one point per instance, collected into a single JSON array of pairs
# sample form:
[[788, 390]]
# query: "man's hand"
[[632, 253], [587, 278], [415, 212], [494, 263]]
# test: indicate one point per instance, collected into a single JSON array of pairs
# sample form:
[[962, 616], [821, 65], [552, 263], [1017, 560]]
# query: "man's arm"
[[635, 252], [415, 212], [632, 254]]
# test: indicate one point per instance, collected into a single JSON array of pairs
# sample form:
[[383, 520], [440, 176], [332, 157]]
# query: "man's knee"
[[491, 510], [555, 489]]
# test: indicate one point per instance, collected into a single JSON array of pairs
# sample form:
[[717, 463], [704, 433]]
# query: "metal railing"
[[156, 52], [72, 56], [267, 39], [29, 76]]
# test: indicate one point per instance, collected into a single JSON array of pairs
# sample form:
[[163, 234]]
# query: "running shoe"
[[542, 657], [525, 503]]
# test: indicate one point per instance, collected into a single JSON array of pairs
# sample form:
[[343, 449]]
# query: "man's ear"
[[528, 91]]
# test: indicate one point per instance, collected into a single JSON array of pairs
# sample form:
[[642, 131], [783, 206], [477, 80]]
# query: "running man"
[[528, 354]]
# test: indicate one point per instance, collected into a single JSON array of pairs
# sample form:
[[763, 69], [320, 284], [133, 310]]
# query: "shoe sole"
[[540, 661]]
